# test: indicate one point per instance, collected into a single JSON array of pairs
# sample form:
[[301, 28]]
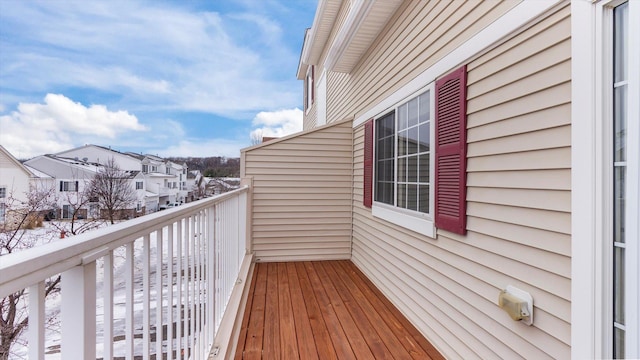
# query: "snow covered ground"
[[52, 330]]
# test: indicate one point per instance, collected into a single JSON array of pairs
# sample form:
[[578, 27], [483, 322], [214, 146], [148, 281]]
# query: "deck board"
[[324, 310]]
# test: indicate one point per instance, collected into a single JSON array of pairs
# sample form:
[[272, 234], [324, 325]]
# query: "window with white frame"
[[403, 156], [69, 186], [620, 87], [309, 89], [145, 168], [3, 192], [139, 185], [3, 212]]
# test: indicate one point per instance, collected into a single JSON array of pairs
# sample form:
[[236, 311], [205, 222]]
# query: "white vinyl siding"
[[302, 195], [519, 186]]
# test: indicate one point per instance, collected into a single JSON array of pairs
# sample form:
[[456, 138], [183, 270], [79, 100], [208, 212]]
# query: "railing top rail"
[[24, 268]]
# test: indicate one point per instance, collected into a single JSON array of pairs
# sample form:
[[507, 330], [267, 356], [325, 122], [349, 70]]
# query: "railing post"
[[78, 312], [248, 204], [36, 321]]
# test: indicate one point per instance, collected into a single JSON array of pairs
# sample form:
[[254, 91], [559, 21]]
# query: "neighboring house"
[[100, 155], [165, 182], [215, 186], [453, 149], [195, 185], [16, 182], [72, 177]]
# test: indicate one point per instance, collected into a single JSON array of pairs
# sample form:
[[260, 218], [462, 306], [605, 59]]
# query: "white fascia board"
[[311, 36], [302, 63], [513, 20]]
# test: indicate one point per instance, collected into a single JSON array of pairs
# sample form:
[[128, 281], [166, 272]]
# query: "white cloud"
[[154, 55], [60, 124], [277, 123]]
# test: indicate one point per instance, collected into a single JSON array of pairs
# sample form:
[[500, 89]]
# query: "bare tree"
[[20, 216], [112, 189], [256, 137]]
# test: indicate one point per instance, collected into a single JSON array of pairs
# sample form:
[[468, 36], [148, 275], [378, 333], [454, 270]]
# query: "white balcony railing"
[[168, 274]]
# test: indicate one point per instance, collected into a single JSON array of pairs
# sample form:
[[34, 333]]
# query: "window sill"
[[418, 224]]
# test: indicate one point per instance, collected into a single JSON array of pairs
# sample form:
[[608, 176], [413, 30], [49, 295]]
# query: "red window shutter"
[[451, 152], [367, 198]]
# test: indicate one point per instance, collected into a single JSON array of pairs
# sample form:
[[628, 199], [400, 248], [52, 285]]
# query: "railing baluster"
[[185, 293], [192, 281], [107, 285], [159, 295], [202, 292], [179, 300], [78, 312], [196, 285], [203, 253], [218, 268], [210, 320], [36, 321], [128, 276], [146, 288], [170, 318]]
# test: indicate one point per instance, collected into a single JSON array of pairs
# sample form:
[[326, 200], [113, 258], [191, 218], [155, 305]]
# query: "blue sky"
[[173, 78]]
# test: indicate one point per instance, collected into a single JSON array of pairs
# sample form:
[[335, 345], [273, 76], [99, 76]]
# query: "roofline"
[[285, 138], [17, 162]]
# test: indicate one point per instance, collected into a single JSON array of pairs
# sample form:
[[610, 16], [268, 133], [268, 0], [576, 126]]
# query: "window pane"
[[402, 117], [423, 198], [618, 343], [413, 112], [402, 170], [424, 168], [619, 204], [424, 137], [385, 159], [618, 286], [425, 107], [620, 35], [412, 197], [402, 142], [412, 140], [402, 196], [620, 122], [389, 144], [412, 169]]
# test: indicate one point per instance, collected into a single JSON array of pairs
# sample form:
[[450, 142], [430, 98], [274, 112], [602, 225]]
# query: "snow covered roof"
[[37, 173]]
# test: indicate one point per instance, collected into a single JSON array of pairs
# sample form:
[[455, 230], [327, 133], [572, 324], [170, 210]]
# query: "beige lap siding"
[[302, 195], [518, 200]]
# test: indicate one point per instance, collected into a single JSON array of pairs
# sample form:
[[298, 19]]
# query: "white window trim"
[[591, 269], [412, 220], [309, 88]]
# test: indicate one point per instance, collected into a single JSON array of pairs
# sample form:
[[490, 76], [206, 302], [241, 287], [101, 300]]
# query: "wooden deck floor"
[[324, 310]]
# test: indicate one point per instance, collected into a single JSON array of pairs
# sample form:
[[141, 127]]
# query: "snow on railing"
[[127, 288]]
